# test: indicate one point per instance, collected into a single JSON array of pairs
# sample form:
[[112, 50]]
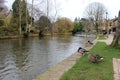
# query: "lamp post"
[[106, 15], [107, 30], [106, 20]]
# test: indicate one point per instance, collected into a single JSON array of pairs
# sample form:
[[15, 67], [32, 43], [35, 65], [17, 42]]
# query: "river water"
[[24, 59]]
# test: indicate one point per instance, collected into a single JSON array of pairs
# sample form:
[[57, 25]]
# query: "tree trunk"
[[41, 33], [26, 19], [20, 30], [32, 14], [116, 40]]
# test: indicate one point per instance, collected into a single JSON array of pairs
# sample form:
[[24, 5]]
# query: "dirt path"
[[108, 41]]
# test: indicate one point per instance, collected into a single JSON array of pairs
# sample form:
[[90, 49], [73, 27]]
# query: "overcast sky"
[[75, 8]]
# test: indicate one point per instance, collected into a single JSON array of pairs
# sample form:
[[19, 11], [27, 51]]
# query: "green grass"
[[102, 37], [85, 70]]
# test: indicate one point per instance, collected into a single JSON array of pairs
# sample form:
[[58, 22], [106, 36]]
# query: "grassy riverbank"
[[102, 37], [84, 70]]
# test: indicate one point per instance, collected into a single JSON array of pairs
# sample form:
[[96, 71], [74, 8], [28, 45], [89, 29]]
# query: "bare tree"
[[52, 12], [54, 9], [95, 12], [35, 10], [48, 8], [86, 24], [116, 39], [37, 13]]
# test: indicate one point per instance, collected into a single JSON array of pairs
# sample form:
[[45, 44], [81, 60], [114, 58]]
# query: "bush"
[[1, 22], [7, 31]]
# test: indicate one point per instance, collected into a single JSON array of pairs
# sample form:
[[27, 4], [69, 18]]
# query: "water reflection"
[[8, 69], [20, 49], [24, 59]]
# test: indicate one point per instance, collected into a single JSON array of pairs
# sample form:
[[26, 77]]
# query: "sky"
[[75, 8]]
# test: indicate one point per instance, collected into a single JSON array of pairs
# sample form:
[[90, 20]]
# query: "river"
[[24, 59]]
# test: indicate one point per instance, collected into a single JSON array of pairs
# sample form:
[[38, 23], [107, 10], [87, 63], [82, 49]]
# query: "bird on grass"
[[95, 58], [82, 50]]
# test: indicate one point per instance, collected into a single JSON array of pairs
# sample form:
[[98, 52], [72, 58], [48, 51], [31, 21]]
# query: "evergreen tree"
[[19, 8], [77, 26]]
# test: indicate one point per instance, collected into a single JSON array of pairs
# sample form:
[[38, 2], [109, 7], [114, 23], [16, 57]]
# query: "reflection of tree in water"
[[29, 54], [21, 51], [64, 39], [8, 69]]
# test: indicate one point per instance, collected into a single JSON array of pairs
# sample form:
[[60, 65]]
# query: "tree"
[[20, 14], [116, 39], [51, 11], [47, 8], [32, 13], [43, 24], [1, 9], [87, 26], [63, 25], [36, 11], [77, 26], [25, 18], [95, 12], [16, 19], [1, 22]]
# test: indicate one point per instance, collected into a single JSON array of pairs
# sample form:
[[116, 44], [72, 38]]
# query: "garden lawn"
[[85, 70]]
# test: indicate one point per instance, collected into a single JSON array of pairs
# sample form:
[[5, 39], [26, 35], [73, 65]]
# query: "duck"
[[89, 42], [94, 58], [82, 50]]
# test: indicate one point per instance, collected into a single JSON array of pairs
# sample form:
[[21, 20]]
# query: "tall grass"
[[85, 70]]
